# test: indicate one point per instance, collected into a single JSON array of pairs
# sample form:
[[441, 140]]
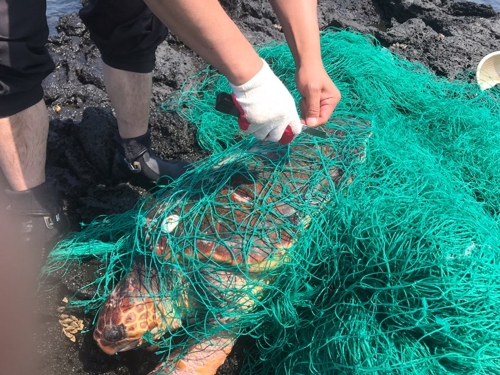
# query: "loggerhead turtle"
[[276, 195]]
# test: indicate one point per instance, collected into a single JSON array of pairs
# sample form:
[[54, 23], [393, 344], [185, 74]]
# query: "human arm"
[[267, 109], [299, 21], [206, 28]]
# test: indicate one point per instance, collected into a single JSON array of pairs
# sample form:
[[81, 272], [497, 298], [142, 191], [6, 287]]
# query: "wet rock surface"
[[446, 36]]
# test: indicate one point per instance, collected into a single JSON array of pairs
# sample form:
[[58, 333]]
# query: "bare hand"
[[320, 96]]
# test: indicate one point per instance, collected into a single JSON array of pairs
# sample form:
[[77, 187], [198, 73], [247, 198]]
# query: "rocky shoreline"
[[448, 37]]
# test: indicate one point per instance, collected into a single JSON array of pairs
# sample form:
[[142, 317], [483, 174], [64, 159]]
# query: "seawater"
[[57, 8], [494, 3]]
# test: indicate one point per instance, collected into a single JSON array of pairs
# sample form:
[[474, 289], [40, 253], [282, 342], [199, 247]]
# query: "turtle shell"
[[251, 219]]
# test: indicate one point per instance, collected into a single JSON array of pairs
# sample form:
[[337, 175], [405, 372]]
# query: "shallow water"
[[56, 8], [494, 3]]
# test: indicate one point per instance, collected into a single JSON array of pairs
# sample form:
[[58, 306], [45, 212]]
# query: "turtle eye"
[[169, 224], [114, 333]]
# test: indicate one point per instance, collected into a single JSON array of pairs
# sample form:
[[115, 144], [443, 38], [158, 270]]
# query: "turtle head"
[[133, 310]]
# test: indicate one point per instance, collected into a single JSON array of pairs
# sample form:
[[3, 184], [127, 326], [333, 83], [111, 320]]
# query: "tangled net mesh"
[[390, 266]]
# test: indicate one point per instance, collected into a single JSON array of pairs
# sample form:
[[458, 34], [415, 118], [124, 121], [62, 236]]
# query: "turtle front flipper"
[[203, 358], [235, 294]]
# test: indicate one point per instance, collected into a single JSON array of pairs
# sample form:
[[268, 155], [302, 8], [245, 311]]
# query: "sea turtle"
[[231, 229]]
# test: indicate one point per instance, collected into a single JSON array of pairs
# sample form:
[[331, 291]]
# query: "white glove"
[[267, 109]]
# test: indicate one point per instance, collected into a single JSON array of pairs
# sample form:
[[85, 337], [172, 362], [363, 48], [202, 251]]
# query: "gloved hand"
[[267, 109]]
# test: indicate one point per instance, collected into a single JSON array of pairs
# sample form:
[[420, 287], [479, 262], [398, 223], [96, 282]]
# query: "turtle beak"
[[107, 349], [123, 347], [113, 348]]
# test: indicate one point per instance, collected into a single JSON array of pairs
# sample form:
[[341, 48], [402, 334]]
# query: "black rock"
[[444, 35]]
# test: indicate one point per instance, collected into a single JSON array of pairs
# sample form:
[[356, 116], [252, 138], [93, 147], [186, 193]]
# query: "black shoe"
[[38, 216], [141, 164]]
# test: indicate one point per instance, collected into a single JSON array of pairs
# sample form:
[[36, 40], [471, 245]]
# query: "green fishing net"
[[373, 251]]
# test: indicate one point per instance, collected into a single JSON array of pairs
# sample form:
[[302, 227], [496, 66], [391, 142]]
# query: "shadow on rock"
[[134, 362]]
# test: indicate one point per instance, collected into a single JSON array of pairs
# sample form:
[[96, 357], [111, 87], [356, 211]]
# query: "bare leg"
[[130, 95], [23, 147], [23, 141]]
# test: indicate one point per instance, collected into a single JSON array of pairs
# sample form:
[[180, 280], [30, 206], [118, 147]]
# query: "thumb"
[[312, 107]]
